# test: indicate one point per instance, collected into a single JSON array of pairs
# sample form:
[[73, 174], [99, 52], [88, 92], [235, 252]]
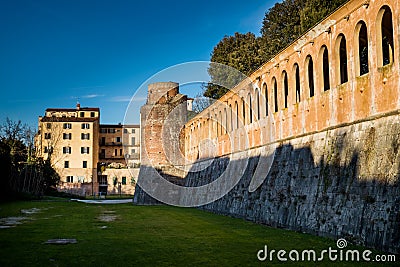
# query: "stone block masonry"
[[162, 118], [342, 183]]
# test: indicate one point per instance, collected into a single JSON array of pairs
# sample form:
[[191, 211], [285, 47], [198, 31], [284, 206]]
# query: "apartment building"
[[118, 150], [89, 157]]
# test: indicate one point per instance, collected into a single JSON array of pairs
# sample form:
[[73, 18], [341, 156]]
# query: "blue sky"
[[54, 53]]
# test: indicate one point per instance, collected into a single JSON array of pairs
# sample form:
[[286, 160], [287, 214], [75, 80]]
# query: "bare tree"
[[201, 102], [23, 172], [50, 137]]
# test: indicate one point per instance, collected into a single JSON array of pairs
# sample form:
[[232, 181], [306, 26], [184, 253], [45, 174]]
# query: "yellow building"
[[89, 157], [118, 149]]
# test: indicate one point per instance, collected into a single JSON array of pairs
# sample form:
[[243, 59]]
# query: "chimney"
[[78, 106]]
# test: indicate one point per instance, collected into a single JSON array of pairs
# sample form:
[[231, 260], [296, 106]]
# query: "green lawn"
[[141, 236]]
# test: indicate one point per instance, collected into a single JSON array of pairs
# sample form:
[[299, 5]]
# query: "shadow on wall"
[[329, 187]]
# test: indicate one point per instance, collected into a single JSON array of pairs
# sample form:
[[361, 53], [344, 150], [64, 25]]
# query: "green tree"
[[5, 167], [242, 52], [281, 26], [316, 10]]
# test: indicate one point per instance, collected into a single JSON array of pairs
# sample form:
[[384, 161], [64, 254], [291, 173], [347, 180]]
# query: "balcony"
[[107, 157], [110, 143]]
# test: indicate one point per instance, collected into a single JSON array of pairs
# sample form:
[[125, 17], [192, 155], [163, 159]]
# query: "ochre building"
[[89, 157]]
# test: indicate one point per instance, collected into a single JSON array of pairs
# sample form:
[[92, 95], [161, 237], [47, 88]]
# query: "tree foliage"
[[242, 52], [282, 24], [314, 11]]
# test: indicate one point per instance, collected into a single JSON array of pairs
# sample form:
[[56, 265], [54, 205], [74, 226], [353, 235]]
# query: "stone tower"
[[162, 118]]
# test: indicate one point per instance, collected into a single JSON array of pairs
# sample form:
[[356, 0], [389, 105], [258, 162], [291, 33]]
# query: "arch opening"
[[276, 108], [286, 88], [363, 49]]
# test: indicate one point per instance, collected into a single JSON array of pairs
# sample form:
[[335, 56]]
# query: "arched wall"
[[361, 97]]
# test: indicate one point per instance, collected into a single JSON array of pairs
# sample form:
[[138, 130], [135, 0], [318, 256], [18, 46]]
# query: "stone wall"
[[162, 118], [336, 166], [280, 99], [341, 183]]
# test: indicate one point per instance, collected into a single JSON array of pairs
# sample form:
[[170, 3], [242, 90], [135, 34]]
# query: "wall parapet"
[[341, 71]]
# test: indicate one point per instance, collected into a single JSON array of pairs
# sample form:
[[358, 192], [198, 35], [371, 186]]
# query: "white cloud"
[[91, 96], [87, 96]]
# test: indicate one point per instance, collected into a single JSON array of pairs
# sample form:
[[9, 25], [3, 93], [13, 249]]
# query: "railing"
[[110, 143]]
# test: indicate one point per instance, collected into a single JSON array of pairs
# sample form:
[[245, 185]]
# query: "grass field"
[[141, 236]]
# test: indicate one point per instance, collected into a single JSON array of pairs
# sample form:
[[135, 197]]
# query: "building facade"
[[88, 156]]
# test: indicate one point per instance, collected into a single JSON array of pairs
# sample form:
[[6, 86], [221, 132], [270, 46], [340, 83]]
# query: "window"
[[123, 180], [120, 152], [220, 123], [133, 140], [118, 139], [66, 164], [111, 130], [258, 104], [386, 36], [323, 65], [297, 82], [82, 114], [342, 59], [84, 150], [103, 130], [102, 179], [48, 125], [286, 88], [244, 111], [84, 164], [85, 126], [47, 135], [362, 49], [116, 152], [67, 136], [133, 151], [92, 114], [231, 118], [250, 104], [133, 130], [237, 114], [70, 179], [48, 149], [85, 136], [67, 150], [265, 89], [67, 126], [125, 131], [276, 108], [310, 76], [225, 122]]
